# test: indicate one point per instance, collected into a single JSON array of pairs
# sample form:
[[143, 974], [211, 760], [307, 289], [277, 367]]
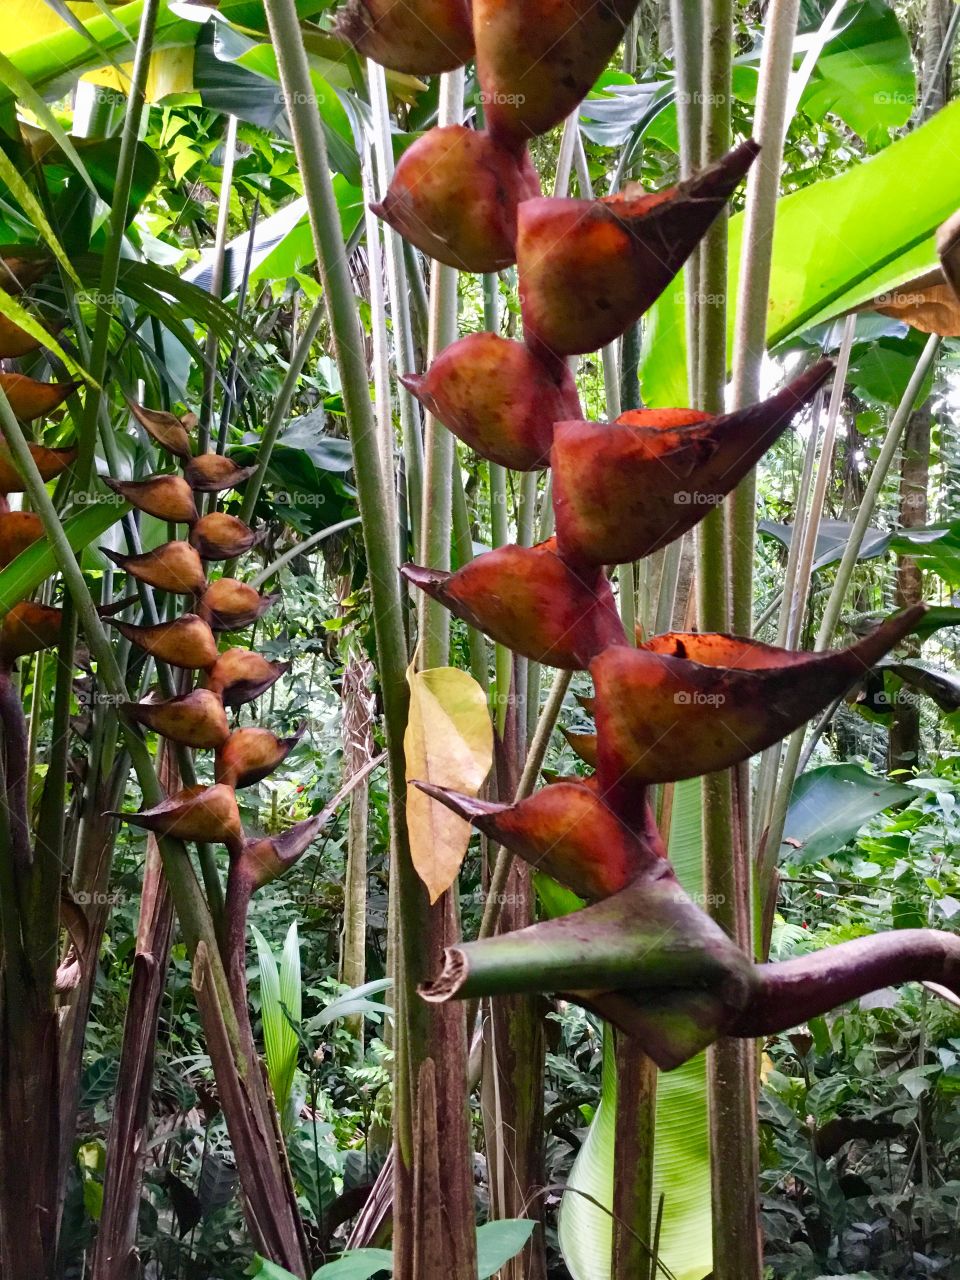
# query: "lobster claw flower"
[[418, 37], [18, 530], [28, 628], [623, 490], [591, 268], [251, 754], [168, 497], [566, 830], [499, 398], [196, 719], [240, 675], [31, 399], [531, 600], [221, 537], [537, 60], [211, 473], [204, 814], [174, 566], [685, 705], [270, 857], [229, 605], [185, 642], [169, 431], [455, 195]]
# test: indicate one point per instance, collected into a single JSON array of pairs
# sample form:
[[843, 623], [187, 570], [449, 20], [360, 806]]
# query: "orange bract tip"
[[174, 566], [31, 399], [532, 601], [28, 628], [499, 398], [221, 537], [270, 856], [168, 430], [211, 473], [621, 492], [455, 195], [49, 462], [538, 59], [204, 814], [250, 755], [168, 497], [662, 717], [240, 675], [229, 605], [196, 719], [419, 37], [185, 642], [591, 268]]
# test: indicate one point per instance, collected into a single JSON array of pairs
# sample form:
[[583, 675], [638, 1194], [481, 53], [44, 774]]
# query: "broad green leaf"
[[832, 538], [828, 807], [52, 57], [352, 1002], [449, 742], [280, 996], [498, 1242], [14, 80], [682, 1156], [22, 576], [10, 175], [357, 1264], [830, 237]]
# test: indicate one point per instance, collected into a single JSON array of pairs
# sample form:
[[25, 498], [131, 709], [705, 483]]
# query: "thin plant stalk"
[[753, 290], [831, 614], [211, 346], [110, 267]]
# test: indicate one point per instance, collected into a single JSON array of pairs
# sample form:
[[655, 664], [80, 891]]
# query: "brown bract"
[[565, 830], [196, 719], [168, 431], [28, 628], [240, 675], [174, 566], [168, 497], [17, 274], [591, 268], [623, 490], [18, 530], [204, 814], [499, 398], [269, 857], [251, 754], [49, 462], [185, 642], [14, 341], [537, 59], [531, 600], [32, 399], [455, 195], [662, 717], [211, 473], [229, 605], [419, 37], [221, 537]]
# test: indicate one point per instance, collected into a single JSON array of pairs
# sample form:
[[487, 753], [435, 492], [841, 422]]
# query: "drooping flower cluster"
[[643, 955]]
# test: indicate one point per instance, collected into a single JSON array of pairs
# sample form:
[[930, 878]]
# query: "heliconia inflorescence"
[[226, 678], [641, 953]]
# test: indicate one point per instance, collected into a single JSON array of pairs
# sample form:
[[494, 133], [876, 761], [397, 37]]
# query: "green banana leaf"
[[22, 576], [52, 64], [682, 1155], [851, 234]]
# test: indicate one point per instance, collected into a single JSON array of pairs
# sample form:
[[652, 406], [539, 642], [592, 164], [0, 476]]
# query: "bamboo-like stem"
[[110, 267], [753, 290], [404, 347], [831, 614], [378, 534], [499, 521], [212, 344]]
